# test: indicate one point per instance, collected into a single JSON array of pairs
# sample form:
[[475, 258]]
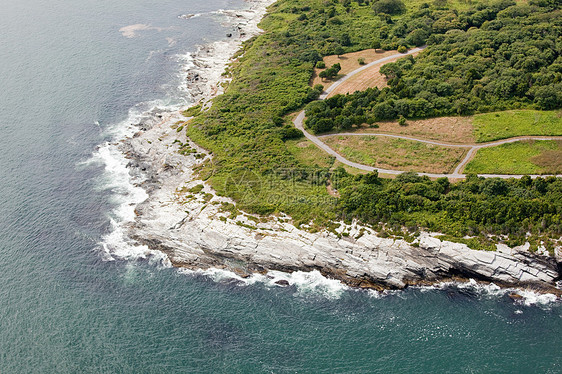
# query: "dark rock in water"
[[515, 296], [243, 273], [229, 35], [459, 294], [283, 282]]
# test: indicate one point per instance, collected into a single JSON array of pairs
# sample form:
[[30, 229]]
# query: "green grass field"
[[511, 123], [527, 157], [309, 154], [397, 154]]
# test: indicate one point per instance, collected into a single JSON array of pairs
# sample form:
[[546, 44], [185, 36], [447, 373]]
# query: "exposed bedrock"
[[367, 262], [193, 231]]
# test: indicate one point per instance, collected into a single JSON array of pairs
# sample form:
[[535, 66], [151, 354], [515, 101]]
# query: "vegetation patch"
[[196, 189], [401, 154], [525, 157], [508, 124], [309, 154], [476, 207], [193, 111], [491, 57], [455, 130], [480, 57]]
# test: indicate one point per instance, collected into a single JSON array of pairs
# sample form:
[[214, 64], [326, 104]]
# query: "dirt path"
[[457, 173], [340, 81], [368, 78]]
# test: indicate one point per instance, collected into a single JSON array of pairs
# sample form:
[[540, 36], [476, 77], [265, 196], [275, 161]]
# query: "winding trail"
[[456, 174], [339, 82]]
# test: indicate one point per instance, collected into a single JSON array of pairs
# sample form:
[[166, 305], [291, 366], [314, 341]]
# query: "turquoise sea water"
[[68, 78]]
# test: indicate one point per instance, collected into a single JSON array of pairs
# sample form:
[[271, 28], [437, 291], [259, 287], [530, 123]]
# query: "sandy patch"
[[349, 63], [368, 78]]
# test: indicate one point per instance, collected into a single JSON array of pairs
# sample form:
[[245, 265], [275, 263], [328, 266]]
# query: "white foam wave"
[[116, 245], [534, 298], [190, 15], [524, 297], [125, 195], [202, 71], [124, 189], [311, 283], [385, 293]]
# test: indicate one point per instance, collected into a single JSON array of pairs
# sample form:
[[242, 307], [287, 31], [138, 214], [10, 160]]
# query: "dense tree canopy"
[[494, 57], [477, 206]]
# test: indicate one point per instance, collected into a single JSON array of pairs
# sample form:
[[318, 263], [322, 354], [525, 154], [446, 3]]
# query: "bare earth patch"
[[550, 160], [454, 130], [368, 78], [348, 63], [388, 153]]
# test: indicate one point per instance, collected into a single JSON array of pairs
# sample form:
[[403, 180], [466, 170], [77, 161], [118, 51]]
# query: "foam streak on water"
[[493, 291], [305, 283]]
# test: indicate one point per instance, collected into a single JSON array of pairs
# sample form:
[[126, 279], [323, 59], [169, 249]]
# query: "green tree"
[[339, 50], [389, 6], [384, 111], [547, 97], [417, 37]]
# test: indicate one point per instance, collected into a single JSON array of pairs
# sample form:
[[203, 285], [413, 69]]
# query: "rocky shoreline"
[[194, 231], [192, 227]]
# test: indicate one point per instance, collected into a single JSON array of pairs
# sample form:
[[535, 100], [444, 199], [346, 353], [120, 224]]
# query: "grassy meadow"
[[401, 154], [525, 157], [512, 123]]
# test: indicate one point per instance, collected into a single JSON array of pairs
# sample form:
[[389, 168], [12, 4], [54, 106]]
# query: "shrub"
[[339, 50], [292, 133], [321, 65], [331, 72], [402, 49], [389, 6], [361, 61]]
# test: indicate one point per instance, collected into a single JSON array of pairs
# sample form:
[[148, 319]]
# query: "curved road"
[[337, 83], [299, 124]]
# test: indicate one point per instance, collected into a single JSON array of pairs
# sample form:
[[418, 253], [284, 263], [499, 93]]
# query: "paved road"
[[299, 124]]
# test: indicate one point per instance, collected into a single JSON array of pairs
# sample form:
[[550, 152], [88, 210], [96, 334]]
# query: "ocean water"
[[71, 81]]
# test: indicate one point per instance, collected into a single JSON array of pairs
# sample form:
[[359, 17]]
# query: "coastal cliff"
[[194, 231]]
